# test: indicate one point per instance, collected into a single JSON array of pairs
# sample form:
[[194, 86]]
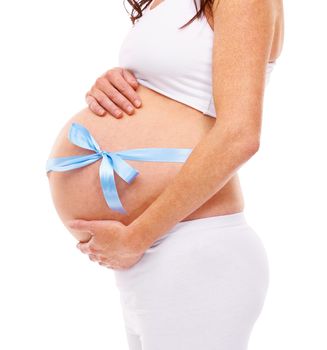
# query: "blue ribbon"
[[112, 161]]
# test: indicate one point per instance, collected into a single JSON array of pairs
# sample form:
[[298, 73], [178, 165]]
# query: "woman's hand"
[[112, 91], [110, 244]]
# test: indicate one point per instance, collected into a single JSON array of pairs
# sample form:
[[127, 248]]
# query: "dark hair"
[[138, 7]]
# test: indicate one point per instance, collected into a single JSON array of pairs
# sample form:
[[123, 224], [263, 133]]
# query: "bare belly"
[[160, 122]]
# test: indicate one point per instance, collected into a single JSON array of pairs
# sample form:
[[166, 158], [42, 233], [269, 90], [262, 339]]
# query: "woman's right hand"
[[113, 92]]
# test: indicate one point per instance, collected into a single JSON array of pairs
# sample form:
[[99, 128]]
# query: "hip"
[[220, 254]]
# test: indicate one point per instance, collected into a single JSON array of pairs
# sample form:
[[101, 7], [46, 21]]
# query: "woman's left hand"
[[110, 243]]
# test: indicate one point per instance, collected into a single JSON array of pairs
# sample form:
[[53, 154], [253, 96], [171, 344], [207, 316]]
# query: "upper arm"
[[243, 34]]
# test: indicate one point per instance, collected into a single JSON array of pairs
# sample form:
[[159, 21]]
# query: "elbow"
[[245, 144], [244, 141], [250, 146]]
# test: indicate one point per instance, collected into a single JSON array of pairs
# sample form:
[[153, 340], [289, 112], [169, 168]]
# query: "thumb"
[[80, 225]]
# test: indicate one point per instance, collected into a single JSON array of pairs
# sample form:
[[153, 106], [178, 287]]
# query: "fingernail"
[[118, 113], [137, 103], [129, 109]]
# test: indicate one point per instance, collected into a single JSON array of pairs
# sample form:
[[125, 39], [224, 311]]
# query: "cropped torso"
[[160, 122]]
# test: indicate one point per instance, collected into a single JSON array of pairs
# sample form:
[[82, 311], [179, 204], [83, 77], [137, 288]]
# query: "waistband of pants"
[[208, 222]]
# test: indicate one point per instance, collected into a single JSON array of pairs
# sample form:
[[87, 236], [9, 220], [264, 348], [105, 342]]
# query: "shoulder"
[[244, 28], [242, 42], [245, 8]]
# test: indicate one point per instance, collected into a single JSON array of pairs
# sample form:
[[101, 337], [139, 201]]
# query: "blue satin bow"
[[112, 161]]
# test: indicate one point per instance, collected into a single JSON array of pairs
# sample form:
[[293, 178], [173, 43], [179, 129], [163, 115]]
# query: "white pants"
[[200, 286]]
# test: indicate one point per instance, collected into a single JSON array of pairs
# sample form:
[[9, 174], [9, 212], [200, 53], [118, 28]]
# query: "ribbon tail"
[[80, 136], [108, 185], [156, 154], [123, 169], [69, 163]]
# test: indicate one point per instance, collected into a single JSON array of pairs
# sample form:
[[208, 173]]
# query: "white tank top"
[[176, 63]]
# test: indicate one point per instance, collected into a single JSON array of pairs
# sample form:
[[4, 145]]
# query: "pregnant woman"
[[191, 272]]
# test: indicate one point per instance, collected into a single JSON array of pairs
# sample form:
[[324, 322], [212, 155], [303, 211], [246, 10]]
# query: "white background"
[[52, 295]]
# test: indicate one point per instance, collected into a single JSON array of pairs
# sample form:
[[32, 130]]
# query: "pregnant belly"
[[160, 122]]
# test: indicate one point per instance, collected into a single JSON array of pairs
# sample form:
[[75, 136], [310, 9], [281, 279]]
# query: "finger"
[[84, 248], [110, 266], [106, 261], [93, 257], [116, 87], [102, 259], [130, 78], [88, 248], [105, 100], [94, 106], [117, 266], [126, 91]]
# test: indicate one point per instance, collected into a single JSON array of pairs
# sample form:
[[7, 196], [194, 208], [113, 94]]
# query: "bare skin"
[[77, 194], [115, 91]]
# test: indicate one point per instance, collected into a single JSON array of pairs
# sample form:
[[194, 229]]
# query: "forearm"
[[211, 164]]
